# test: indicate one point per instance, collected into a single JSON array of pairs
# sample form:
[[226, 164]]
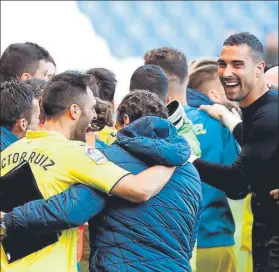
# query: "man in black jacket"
[[241, 69]]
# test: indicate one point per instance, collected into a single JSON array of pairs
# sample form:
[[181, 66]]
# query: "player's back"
[[159, 234], [49, 155]]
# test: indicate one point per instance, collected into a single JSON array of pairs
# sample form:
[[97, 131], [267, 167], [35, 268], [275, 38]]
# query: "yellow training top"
[[247, 224], [57, 163]]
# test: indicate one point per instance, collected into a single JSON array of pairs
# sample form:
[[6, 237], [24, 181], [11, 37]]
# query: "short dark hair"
[[21, 58], [152, 78], [16, 103], [140, 103], [202, 71], [37, 86], [106, 82], [171, 60], [246, 38], [62, 91], [92, 84]]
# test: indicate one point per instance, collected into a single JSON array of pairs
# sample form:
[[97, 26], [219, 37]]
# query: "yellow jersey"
[[57, 163], [247, 224], [105, 134]]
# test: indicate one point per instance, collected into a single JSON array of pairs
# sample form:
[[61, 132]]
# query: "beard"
[[239, 92], [78, 135], [79, 131]]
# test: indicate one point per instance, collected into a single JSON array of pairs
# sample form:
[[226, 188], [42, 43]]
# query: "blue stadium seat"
[[196, 27]]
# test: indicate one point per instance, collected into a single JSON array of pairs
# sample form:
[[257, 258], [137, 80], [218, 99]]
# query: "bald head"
[[271, 76]]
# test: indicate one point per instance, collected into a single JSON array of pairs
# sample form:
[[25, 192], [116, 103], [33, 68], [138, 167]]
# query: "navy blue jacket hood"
[[154, 141]]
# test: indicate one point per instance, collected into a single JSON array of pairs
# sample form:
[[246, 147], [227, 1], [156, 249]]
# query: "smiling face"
[[88, 113], [238, 71], [219, 95]]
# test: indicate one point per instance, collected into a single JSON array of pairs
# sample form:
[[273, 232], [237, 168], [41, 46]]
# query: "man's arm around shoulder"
[[141, 187], [66, 210]]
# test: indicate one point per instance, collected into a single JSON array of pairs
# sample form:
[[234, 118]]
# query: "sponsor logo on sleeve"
[[97, 156]]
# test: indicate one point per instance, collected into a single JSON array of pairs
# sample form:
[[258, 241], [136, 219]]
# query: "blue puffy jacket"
[[6, 138], [218, 145], [157, 235]]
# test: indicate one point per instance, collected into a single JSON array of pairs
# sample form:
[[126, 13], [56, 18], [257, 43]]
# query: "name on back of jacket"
[[36, 158]]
